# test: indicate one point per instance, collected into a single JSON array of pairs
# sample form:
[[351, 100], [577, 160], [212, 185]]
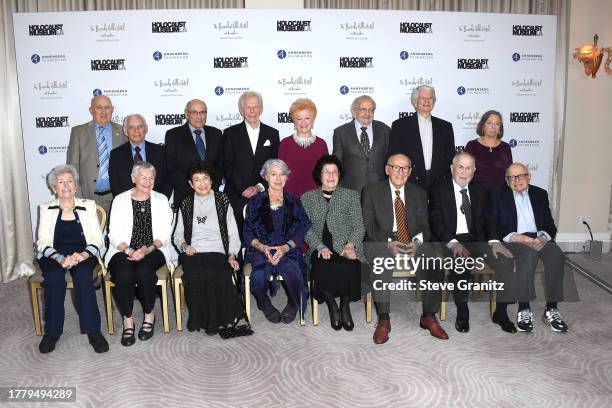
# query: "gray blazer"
[[83, 154], [359, 169], [343, 216]]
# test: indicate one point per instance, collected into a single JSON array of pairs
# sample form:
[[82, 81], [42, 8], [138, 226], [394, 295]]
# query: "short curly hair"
[[324, 160], [302, 104]]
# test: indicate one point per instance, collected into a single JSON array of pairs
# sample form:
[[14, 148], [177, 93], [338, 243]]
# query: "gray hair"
[[126, 120], [246, 95], [274, 162], [357, 101], [415, 93], [58, 171], [462, 154], [140, 166], [188, 105], [93, 99]]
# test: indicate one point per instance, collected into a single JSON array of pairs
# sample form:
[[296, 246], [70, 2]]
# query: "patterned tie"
[[200, 144], [466, 208], [403, 235], [365, 141], [137, 156], [102, 154]]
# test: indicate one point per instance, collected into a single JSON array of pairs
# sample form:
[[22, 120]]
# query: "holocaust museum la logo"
[[46, 29], [293, 25], [356, 62], [164, 119], [52, 121], [410, 27], [527, 30], [230, 62], [472, 63], [165, 27], [524, 117], [284, 117], [114, 64]]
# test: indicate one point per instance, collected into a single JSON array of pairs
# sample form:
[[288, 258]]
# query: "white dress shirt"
[[253, 135], [426, 132], [525, 220], [369, 131], [193, 135], [419, 236]]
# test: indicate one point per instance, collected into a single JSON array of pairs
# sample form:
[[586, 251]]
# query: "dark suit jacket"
[[181, 152], [378, 211], [503, 210], [359, 169], [405, 138], [443, 213], [241, 166], [121, 163]]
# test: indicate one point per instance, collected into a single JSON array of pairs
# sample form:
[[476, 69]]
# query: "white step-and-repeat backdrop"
[[152, 62]]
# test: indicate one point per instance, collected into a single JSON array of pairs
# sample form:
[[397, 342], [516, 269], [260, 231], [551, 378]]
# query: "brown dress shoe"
[[381, 334], [430, 323]]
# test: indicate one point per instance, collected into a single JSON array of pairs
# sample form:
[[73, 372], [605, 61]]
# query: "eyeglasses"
[[397, 169], [519, 177], [196, 113], [364, 110], [330, 173], [134, 127]]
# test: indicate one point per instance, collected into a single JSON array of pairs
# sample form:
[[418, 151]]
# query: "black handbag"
[[237, 330]]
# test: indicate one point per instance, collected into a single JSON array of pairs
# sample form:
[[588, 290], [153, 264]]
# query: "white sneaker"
[[553, 318], [524, 321]]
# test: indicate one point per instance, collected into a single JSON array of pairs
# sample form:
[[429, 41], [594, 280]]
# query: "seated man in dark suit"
[[123, 158], [246, 147], [524, 221], [460, 220], [395, 215], [189, 143]]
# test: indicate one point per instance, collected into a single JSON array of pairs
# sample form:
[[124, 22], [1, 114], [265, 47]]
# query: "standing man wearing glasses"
[[190, 143], [361, 145], [524, 222], [89, 151], [427, 140]]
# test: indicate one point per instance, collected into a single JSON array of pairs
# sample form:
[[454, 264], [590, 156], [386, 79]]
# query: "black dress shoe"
[[98, 342], [335, 319], [212, 332], [506, 324], [347, 319], [127, 337], [462, 324], [288, 314], [146, 331], [47, 344]]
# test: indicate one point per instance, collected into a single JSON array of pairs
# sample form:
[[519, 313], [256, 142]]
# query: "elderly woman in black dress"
[[207, 239], [335, 241]]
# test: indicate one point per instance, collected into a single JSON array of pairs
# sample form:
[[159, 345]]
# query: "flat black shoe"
[[288, 314], [272, 314], [213, 332], [335, 319], [462, 324], [98, 342], [127, 337], [47, 344], [506, 324], [347, 319], [146, 331]]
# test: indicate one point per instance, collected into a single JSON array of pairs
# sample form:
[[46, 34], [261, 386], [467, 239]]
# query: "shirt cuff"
[[418, 237], [321, 246], [49, 252], [545, 235], [508, 238], [493, 241], [451, 243], [260, 187], [183, 247]]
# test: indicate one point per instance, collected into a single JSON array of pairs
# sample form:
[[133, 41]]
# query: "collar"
[[304, 142], [458, 188], [523, 193], [358, 127], [141, 145], [423, 119], [393, 188], [250, 128], [191, 128]]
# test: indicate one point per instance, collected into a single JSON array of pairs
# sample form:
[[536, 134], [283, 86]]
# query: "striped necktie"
[[200, 144], [403, 235], [103, 153]]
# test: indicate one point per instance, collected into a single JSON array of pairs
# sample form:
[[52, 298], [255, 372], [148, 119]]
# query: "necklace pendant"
[[490, 149]]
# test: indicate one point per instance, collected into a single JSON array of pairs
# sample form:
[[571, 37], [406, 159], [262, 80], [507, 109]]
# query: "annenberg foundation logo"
[[52, 121], [513, 143], [108, 31], [170, 55], [284, 117], [230, 62], [474, 32], [524, 117], [357, 30], [219, 90], [527, 30], [516, 57], [42, 149], [344, 89], [357, 89], [171, 86], [227, 90], [404, 55], [356, 62], [46, 29], [165, 27], [524, 143], [110, 92], [50, 89], [111, 64], [37, 59], [166, 119], [293, 25], [415, 28], [294, 85], [231, 30], [472, 63], [462, 90], [292, 54], [229, 119]]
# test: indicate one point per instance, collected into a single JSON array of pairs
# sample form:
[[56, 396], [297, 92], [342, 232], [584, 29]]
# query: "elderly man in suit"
[[246, 147], [194, 141], [123, 158], [427, 140], [89, 151], [460, 220], [524, 222], [361, 145], [395, 215]]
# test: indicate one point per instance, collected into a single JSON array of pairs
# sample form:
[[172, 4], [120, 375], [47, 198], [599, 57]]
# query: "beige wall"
[[586, 175]]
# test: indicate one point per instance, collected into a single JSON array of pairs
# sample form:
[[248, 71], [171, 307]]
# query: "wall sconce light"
[[591, 57]]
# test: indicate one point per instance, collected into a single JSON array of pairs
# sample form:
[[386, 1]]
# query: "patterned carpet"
[[293, 366]]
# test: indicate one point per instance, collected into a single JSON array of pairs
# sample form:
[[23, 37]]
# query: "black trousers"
[[126, 274]]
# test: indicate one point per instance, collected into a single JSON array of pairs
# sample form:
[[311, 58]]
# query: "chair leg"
[[109, 307], [164, 288], [314, 306], [35, 308], [492, 302], [443, 306], [302, 317], [177, 285], [369, 307], [247, 297]]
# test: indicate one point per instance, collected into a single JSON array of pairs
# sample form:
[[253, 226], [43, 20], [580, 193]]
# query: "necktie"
[[466, 208], [400, 218], [137, 156], [365, 141], [200, 144], [102, 153]]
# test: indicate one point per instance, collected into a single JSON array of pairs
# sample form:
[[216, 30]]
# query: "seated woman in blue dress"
[[69, 238], [274, 228]]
